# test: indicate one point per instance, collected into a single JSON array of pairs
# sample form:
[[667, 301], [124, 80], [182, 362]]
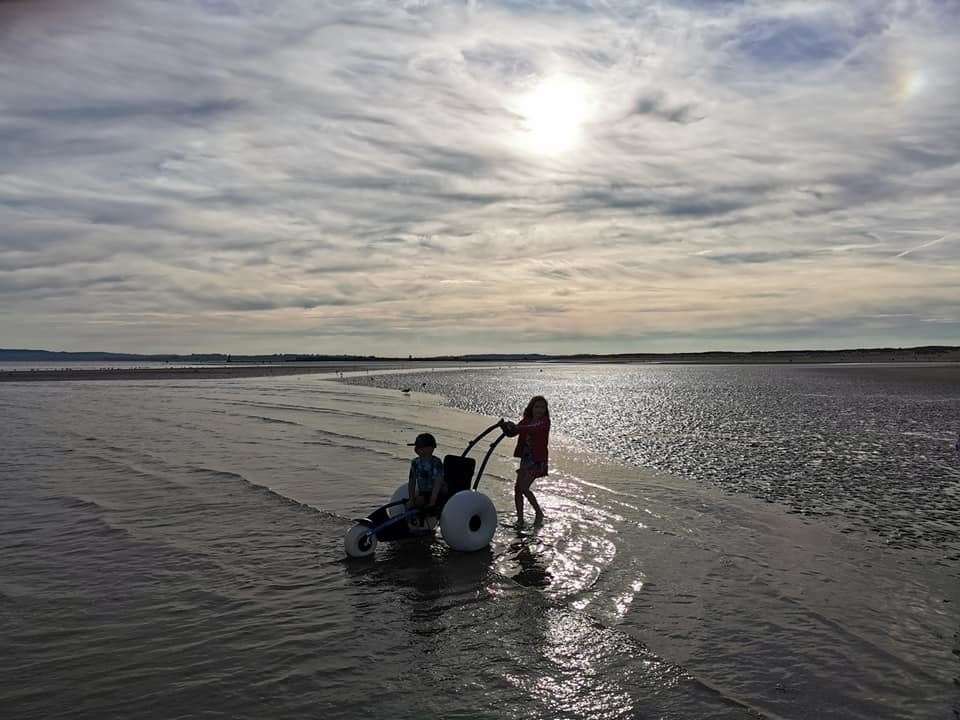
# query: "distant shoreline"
[[172, 373], [926, 353], [811, 359], [224, 372]]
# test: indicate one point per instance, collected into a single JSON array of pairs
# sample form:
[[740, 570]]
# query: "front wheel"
[[468, 521], [359, 542]]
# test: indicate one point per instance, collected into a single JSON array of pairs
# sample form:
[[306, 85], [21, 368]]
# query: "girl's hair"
[[528, 411]]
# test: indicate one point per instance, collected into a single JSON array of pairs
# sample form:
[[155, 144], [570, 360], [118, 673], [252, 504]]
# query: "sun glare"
[[553, 115], [911, 83]]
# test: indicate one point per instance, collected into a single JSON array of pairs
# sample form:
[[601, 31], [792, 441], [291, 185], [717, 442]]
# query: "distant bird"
[[405, 390]]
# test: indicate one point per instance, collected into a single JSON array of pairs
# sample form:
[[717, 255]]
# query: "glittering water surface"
[[174, 549], [873, 445]]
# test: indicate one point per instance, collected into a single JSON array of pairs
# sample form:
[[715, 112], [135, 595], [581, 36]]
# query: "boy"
[[426, 473]]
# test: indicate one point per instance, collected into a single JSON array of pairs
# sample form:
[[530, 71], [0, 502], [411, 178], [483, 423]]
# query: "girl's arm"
[[533, 424]]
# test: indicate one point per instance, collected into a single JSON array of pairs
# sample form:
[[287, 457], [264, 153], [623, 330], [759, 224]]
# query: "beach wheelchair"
[[466, 517]]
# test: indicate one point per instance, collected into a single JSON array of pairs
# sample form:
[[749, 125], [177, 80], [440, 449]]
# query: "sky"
[[424, 178]]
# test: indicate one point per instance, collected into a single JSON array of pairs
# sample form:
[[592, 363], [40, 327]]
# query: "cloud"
[[657, 106], [785, 41], [344, 176], [757, 256]]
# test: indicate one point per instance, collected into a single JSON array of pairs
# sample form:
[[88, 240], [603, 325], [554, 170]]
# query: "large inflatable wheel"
[[468, 521], [359, 542], [401, 493]]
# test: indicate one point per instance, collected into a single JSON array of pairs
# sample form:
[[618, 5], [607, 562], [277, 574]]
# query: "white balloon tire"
[[468, 521], [401, 493], [353, 542]]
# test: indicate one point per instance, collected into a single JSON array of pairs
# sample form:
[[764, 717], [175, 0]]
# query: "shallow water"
[[174, 549], [873, 445]]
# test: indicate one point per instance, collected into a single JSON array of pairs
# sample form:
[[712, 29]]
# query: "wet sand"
[[178, 373]]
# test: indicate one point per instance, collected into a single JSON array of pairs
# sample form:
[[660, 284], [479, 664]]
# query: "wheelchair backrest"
[[458, 472]]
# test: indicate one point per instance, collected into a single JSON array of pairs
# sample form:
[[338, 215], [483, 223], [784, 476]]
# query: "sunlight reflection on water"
[[859, 443]]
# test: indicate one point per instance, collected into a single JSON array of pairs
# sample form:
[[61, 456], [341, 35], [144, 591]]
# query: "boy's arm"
[[437, 472], [412, 483], [437, 482]]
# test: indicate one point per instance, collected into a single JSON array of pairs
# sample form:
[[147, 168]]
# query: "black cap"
[[424, 440]]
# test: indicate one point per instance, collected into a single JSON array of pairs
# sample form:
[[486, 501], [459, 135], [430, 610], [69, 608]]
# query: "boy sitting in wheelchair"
[[425, 483]]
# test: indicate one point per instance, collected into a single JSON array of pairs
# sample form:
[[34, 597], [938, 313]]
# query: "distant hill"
[[63, 356], [915, 354], [18, 355]]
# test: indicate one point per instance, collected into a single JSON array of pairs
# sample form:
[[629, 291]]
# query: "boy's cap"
[[424, 440]]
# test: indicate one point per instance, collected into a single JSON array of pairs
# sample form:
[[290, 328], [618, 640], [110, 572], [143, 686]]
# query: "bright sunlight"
[[554, 113]]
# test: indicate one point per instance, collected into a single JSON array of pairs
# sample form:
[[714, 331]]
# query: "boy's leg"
[[417, 502]]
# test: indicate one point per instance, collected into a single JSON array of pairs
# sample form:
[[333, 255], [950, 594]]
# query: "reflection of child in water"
[[533, 573], [426, 474]]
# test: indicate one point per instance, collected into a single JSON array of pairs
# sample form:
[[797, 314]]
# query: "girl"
[[534, 433]]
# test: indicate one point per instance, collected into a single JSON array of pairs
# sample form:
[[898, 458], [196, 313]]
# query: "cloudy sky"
[[426, 177]]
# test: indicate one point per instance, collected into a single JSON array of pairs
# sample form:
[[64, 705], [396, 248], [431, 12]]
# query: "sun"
[[553, 114], [911, 83]]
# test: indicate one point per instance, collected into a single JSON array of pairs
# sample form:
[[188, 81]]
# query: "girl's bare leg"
[[519, 490], [534, 504]]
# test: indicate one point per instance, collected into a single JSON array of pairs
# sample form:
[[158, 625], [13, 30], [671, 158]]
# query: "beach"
[[171, 548]]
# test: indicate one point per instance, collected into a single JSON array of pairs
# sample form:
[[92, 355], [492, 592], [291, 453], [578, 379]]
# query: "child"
[[534, 434], [426, 474]]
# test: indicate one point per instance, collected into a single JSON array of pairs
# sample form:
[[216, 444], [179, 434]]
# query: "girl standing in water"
[[534, 434]]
